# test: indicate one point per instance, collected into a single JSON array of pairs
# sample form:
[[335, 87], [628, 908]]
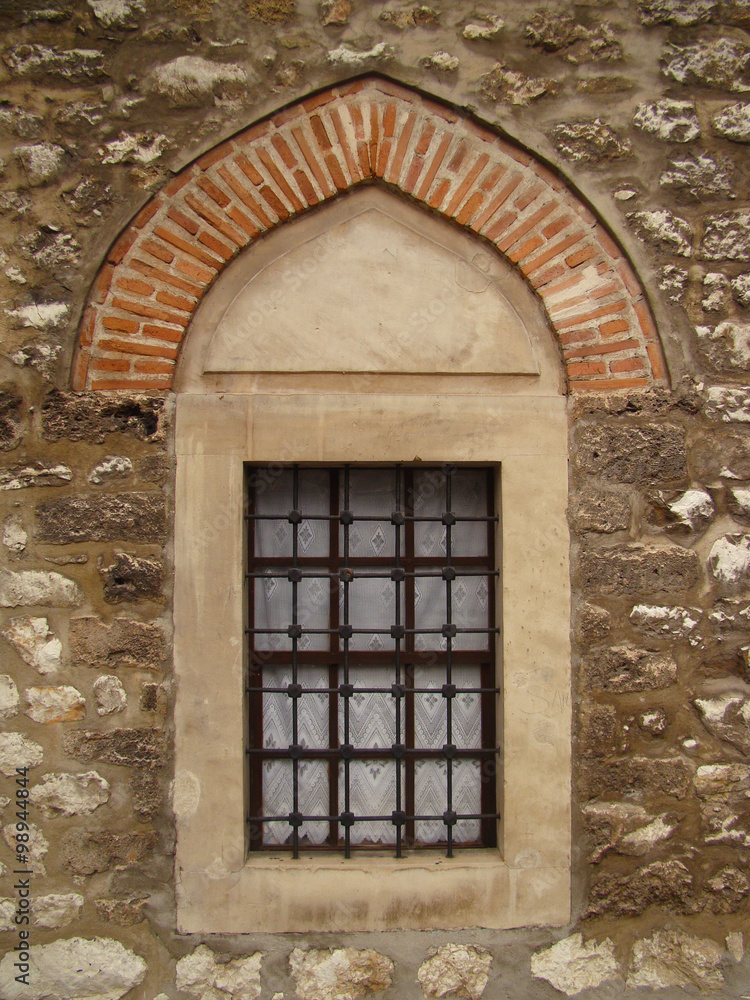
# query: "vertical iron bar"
[[409, 645], [333, 670], [255, 681], [448, 664], [295, 720], [397, 552], [347, 828]]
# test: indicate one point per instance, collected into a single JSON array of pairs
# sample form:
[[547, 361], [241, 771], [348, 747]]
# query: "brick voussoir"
[[176, 245]]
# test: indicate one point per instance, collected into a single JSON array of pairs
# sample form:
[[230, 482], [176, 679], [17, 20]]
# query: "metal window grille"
[[370, 596]]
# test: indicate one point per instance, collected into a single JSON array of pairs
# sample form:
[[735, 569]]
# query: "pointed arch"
[[371, 130]]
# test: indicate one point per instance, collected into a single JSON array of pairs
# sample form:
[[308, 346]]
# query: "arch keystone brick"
[[371, 131]]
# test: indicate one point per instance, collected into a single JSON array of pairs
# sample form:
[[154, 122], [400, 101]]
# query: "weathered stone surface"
[[490, 28], [653, 721], [441, 61], [345, 55], [201, 975], [131, 579], [633, 454], [729, 561], [602, 512], [664, 621], [29, 587], [623, 828], [90, 417], [34, 643], [124, 912], [117, 13], [674, 958], [716, 292], [723, 780], [673, 282], [129, 747], [18, 751], [668, 884], [133, 517], [554, 31], [637, 776], [87, 853], [717, 62], [271, 11], [673, 121], [730, 887], [70, 794], [625, 668], [75, 969], [17, 477], [599, 731], [726, 347], [420, 16], [589, 141], [726, 236], [55, 704], [700, 177], [37, 846], [741, 289], [505, 84], [680, 12], [728, 717], [639, 570], [121, 643], [14, 534], [52, 249], [38, 61], [145, 792], [738, 502], [42, 162], [335, 12], [110, 468], [593, 624], [455, 970], [7, 914], [690, 510], [9, 698], [192, 80], [40, 356], [110, 695], [334, 974], [572, 966], [733, 122], [10, 418], [139, 147], [39, 315], [663, 230], [56, 910]]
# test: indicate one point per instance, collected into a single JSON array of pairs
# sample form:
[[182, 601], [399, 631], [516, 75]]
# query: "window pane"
[[430, 778], [430, 712], [273, 610], [372, 717], [372, 604], [372, 493], [372, 792], [277, 800], [469, 609], [468, 499], [273, 496]]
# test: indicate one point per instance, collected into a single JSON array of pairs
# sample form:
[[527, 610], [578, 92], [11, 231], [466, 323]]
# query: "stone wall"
[[642, 107]]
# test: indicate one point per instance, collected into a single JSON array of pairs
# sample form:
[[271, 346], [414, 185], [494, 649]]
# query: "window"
[[370, 603]]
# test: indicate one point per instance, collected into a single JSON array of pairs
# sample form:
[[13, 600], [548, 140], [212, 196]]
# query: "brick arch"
[[370, 130]]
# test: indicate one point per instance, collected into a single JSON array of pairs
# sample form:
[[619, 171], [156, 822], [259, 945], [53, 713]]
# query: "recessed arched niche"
[[370, 288]]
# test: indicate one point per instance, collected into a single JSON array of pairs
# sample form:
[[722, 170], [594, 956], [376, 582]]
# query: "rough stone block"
[[130, 517], [29, 587], [110, 695], [87, 853], [726, 236], [91, 417], [124, 912], [9, 698], [727, 716], [625, 668], [633, 454], [337, 973], [600, 734], [18, 751], [674, 958], [131, 579], [638, 570], [624, 828], [17, 477], [55, 704], [729, 561], [120, 643], [56, 910], [70, 794], [601, 512], [34, 643], [571, 965], [716, 62], [201, 975], [129, 747], [637, 776], [455, 970], [668, 884], [663, 622], [10, 418]]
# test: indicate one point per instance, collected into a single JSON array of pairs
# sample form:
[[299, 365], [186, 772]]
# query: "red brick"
[[587, 368], [498, 201], [513, 151], [273, 201], [214, 155], [458, 158], [612, 348], [190, 268], [312, 163], [525, 249], [363, 155], [425, 139], [344, 145], [155, 384], [176, 301], [433, 168], [133, 347], [492, 178], [158, 251], [79, 370], [501, 224], [527, 225], [374, 137], [657, 361], [436, 198], [135, 286], [166, 277], [544, 277], [555, 227], [355, 113], [627, 365], [282, 148], [178, 183], [121, 325], [570, 281], [176, 241], [613, 326], [214, 220], [88, 326], [553, 251], [613, 307], [245, 197], [576, 337], [645, 320], [213, 191], [104, 281], [320, 133], [394, 172], [162, 333], [248, 169], [584, 254], [154, 367], [147, 213], [337, 174], [524, 200], [547, 176], [384, 151], [470, 207], [243, 221], [109, 365], [389, 120], [182, 220], [629, 279], [281, 181], [607, 243], [308, 191], [602, 385], [466, 184], [122, 246], [318, 101], [210, 241], [256, 131], [611, 288], [151, 312]]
